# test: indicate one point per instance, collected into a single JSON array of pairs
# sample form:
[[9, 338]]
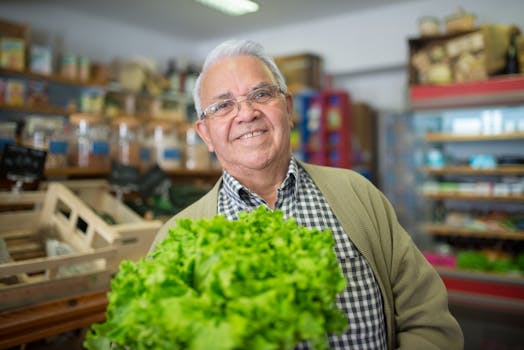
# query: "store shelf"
[[471, 197], [499, 90], [449, 137], [52, 78], [445, 230], [36, 109], [166, 96], [482, 289], [76, 171], [204, 174], [501, 170]]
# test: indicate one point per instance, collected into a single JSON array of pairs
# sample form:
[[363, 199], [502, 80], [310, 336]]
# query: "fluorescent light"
[[232, 7]]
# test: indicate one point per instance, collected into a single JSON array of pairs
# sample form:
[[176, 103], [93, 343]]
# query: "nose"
[[243, 112]]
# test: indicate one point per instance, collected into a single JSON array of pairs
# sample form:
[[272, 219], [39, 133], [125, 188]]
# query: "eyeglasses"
[[229, 107]]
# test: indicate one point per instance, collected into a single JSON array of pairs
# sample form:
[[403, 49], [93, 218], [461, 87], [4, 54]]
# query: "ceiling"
[[191, 20]]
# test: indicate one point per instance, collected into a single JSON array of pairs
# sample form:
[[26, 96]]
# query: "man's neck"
[[264, 182]]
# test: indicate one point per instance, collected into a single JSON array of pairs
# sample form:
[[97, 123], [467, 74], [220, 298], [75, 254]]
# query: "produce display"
[[488, 261], [260, 282]]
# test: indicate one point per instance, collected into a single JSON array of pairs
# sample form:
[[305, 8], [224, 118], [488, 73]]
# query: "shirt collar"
[[243, 196]]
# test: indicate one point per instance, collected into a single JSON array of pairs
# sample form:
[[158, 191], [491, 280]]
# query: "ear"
[[289, 108], [203, 131]]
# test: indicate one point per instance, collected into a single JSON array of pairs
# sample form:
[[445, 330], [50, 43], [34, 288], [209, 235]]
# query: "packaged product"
[[15, 92], [41, 59], [12, 55]]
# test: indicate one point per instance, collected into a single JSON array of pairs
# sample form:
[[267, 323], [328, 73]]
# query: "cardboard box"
[[302, 71]]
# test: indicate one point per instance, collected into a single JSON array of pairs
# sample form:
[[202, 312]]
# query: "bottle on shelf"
[[7, 135], [125, 145], [512, 59], [89, 141], [190, 78], [57, 150], [173, 76], [161, 138], [196, 153]]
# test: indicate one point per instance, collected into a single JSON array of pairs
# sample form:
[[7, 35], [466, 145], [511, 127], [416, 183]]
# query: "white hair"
[[233, 48]]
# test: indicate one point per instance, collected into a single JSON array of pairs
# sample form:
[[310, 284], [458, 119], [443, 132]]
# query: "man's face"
[[258, 135]]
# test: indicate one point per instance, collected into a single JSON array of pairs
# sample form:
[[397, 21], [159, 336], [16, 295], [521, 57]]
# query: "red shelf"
[[495, 91], [485, 289]]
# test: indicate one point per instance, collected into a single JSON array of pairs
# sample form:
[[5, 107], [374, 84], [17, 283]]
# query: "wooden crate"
[[136, 234], [43, 278]]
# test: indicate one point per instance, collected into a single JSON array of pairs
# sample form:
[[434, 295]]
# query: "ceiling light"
[[232, 7]]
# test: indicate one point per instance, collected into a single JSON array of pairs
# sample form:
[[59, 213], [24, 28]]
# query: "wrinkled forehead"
[[235, 75]]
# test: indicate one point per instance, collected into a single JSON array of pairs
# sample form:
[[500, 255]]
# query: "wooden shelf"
[[450, 137], [36, 109], [509, 170], [470, 197], [166, 96], [209, 174], [445, 230], [53, 78], [74, 171]]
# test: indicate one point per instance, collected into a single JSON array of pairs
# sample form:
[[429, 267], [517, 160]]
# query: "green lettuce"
[[260, 282]]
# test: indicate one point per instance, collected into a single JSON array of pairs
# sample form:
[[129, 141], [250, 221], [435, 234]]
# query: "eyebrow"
[[229, 95]]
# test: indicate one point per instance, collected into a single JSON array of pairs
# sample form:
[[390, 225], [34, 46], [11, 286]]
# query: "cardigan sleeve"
[[421, 314]]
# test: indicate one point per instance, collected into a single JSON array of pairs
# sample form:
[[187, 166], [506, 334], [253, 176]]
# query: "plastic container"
[[126, 141], [57, 150], [7, 135], [197, 156], [47, 133], [163, 142], [89, 141]]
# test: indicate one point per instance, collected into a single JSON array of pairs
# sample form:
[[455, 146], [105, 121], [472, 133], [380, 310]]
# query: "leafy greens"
[[260, 282]]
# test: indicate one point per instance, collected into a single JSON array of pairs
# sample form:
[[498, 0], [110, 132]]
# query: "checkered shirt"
[[300, 198]]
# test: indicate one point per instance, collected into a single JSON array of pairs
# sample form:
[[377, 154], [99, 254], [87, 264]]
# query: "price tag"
[[153, 181], [22, 163], [124, 176]]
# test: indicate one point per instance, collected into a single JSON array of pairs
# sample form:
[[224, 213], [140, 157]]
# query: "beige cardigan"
[[415, 299]]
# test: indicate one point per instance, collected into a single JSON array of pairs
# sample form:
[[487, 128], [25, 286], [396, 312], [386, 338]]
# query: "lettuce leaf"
[[260, 282]]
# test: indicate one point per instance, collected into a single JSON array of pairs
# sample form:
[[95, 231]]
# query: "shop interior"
[[423, 98]]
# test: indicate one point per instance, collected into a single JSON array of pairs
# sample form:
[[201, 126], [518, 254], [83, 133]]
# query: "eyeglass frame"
[[274, 88]]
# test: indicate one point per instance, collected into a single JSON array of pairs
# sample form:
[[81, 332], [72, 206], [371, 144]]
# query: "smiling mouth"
[[251, 134]]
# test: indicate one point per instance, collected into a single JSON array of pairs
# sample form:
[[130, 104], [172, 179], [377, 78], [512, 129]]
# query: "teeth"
[[250, 134]]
